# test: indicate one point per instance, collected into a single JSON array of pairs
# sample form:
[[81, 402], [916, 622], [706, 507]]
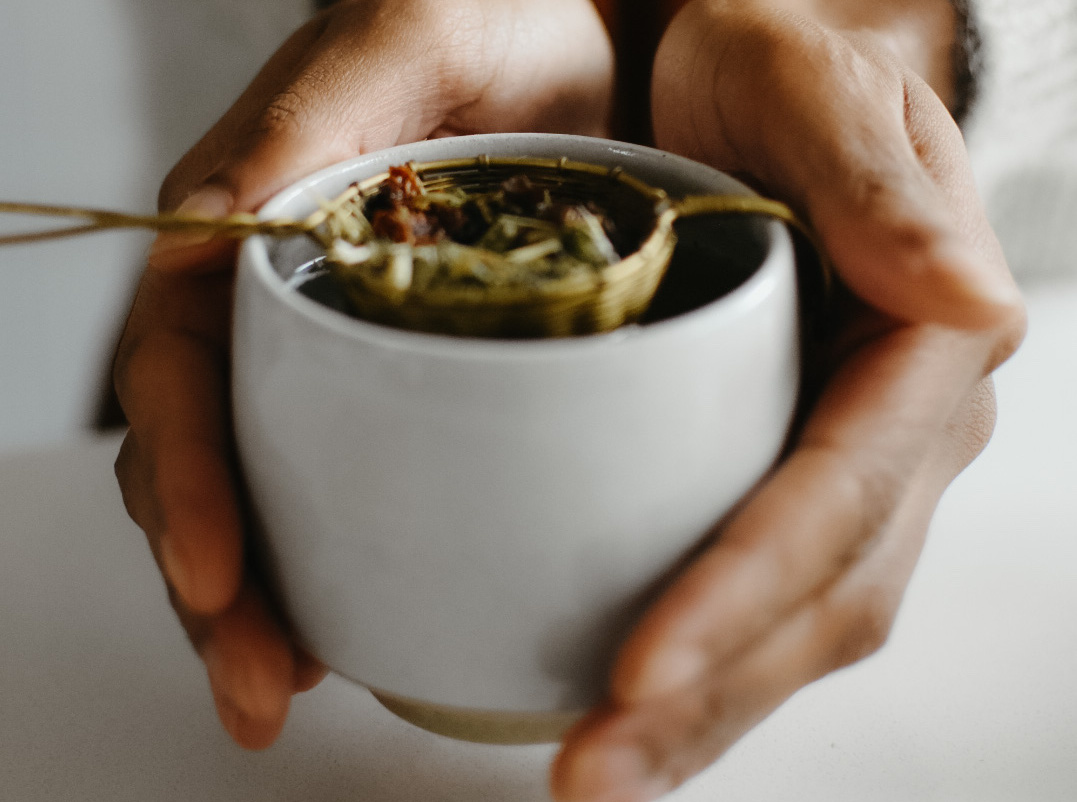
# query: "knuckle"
[[142, 372], [135, 476], [283, 115], [878, 488], [131, 360], [871, 488], [121, 364], [867, 628], [198, 628], [1008, 337], [124, 469], [909, 235]]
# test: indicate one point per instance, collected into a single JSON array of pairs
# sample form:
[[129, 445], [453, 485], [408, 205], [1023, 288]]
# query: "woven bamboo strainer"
[[601, 301]]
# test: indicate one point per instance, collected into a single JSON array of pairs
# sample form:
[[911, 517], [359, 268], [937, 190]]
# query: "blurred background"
[[98, 98]]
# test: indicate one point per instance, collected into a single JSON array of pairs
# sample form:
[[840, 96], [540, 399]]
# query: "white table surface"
[[974, 697]]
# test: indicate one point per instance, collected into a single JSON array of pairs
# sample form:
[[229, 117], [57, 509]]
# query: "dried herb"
[[409, 239]]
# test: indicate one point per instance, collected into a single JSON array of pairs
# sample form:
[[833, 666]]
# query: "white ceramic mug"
[[470, 527]]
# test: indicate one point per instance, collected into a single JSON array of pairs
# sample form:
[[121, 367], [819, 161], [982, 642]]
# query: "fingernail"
[[666, 671], [208, 202]]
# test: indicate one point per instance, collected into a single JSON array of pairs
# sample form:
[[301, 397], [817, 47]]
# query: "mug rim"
[[255, 257]]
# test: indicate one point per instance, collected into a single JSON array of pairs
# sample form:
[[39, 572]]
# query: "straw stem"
[[235, 226]]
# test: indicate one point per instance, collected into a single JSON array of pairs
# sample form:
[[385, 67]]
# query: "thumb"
[[239, 186], [859, 146], [314, 103]]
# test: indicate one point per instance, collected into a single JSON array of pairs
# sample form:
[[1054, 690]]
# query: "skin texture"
[[808, 575], [360, 77]]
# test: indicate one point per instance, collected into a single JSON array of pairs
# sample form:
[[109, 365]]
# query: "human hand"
[[360, 77], [808, 575]]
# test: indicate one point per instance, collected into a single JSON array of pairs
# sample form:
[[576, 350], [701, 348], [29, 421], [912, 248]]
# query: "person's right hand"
[[808, 573], [360, 77]]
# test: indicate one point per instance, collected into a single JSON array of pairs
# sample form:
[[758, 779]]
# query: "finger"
[[906, 231], [252, 667], [309, 671], [181, 488], [832, 138], [193, 253], [134, 473], [252, 670], [196, 527], [880, 416], [636, 752]]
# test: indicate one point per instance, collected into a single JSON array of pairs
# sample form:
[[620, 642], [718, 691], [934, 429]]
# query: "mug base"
[[480, 726]]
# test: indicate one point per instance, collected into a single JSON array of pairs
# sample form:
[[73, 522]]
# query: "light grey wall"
[[97, 99], [1023, 135]]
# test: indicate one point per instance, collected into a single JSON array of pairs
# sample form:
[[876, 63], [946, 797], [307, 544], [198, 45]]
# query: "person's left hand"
[[808, 575]]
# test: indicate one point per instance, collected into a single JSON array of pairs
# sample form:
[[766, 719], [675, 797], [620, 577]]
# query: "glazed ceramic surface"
[[476, 524]]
